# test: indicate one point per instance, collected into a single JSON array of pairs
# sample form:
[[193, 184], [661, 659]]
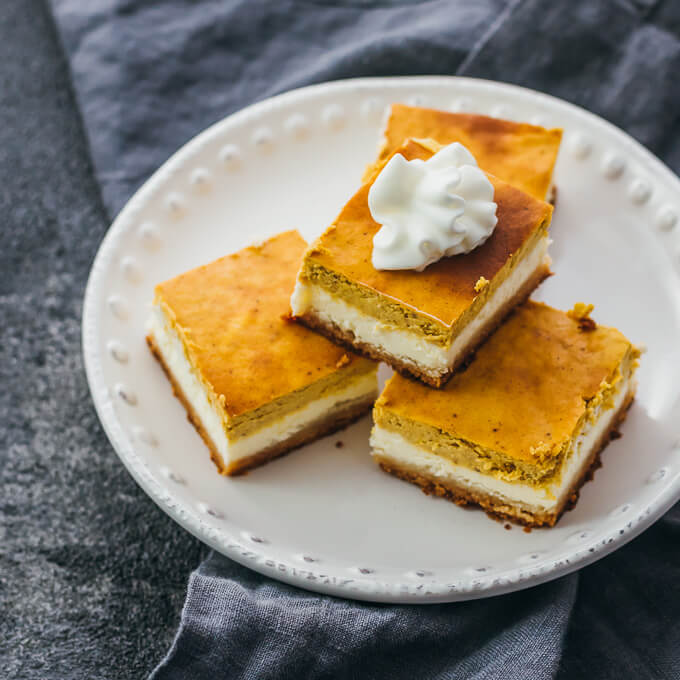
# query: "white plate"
[[326, 518]]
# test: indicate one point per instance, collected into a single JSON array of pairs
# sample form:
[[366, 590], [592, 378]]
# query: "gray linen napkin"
[[148, 76]]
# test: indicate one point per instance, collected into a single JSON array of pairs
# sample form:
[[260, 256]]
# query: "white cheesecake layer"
[[407, 346], [396, 449], [362, 387]]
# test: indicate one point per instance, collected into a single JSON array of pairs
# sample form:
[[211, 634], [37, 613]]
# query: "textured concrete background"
[[92, 573]]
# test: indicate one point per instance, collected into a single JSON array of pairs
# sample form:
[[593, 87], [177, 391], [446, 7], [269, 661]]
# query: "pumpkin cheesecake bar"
[[521, 154], [427, 322], [254, 384], [520, 430]]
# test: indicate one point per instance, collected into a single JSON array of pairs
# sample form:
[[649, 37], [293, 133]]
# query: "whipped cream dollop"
[[430, 209]]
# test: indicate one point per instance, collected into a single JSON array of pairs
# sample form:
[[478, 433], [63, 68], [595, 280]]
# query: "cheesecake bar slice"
[[254, 384], [423, 323], [520, 430], [521, 154]]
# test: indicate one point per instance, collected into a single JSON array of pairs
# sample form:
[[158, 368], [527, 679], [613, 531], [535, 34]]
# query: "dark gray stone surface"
[[92, 573]]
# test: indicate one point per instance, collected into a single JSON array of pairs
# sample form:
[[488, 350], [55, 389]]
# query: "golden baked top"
[[523, 155], [525, 390], [445, 289], [232, 315]]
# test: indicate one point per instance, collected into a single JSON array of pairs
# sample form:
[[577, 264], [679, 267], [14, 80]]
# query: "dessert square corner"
[[519, 153], [426, 323], [521, 429], [254, 384]]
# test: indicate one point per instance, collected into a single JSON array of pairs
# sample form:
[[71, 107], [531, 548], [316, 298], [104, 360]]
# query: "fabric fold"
[[246, 626], [608, 57], [149, 76]]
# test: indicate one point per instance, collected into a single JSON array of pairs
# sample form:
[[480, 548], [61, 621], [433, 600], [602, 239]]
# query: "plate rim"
[[257, 557]]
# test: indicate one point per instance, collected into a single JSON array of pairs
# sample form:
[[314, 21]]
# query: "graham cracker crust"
[[495, 507], [347, 339], [327, 425]]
